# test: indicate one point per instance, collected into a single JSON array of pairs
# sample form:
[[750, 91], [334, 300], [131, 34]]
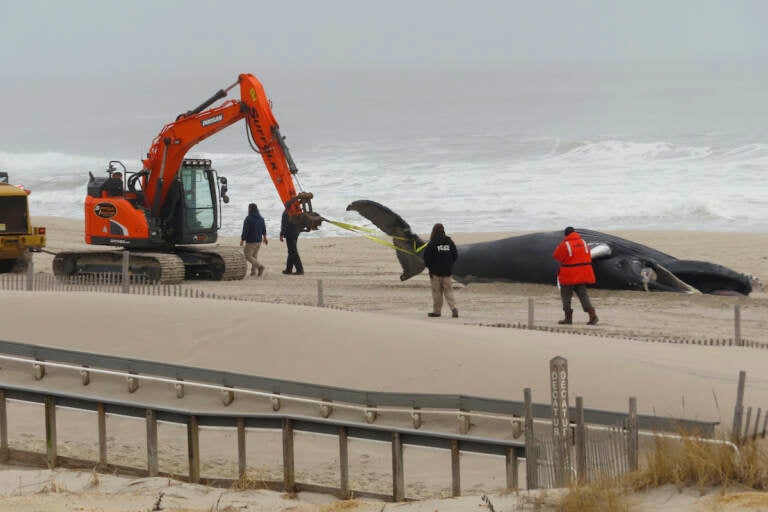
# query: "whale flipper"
[[408, 243]]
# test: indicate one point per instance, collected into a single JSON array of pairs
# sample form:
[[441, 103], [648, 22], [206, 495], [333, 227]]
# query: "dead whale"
[[619, 264]]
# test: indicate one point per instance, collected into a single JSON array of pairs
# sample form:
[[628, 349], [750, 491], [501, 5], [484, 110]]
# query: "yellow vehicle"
[[17, 236]]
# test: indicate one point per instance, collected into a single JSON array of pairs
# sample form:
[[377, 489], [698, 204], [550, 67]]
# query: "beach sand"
[[376, 336]]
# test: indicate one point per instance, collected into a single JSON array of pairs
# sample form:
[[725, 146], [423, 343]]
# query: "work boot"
[[261, 271], [568, 320], [592, 317], [433, 315], [455, 313]]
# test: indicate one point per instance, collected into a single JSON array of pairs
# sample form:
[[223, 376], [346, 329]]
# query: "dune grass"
[[687, 462]]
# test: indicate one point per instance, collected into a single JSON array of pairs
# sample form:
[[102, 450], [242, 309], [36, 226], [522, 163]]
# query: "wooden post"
[[152, 462], [344, 464], [757, 423], [4, 452], [455, 468], [102, 422], [126, 271], [320, 299], [193, 449], [558, 371], [531, 453], [50, 431], [745, 435], [30, 274], [633, 446], [289, 475], [530, 313], [512, 464], [738, 410], [765, 424], [737, 326], [398, 476], [581, 442], [241, 462]]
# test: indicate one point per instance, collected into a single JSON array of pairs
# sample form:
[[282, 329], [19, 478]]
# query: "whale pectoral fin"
[[407, 243], [660, 278]]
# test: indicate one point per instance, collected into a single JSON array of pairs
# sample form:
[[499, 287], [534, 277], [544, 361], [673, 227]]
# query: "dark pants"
[[293, 255], [566, 293]]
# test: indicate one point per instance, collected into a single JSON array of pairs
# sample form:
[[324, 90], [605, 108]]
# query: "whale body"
[[618, 263]]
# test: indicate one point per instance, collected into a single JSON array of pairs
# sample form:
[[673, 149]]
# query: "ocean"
[[601, 153]]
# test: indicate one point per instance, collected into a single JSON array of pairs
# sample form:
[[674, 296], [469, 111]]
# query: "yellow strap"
[[366, 233]]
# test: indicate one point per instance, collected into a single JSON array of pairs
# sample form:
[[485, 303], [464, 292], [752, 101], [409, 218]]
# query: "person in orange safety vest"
[[575, 274]]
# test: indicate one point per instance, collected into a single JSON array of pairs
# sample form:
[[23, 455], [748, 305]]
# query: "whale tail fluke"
[[406, 242]]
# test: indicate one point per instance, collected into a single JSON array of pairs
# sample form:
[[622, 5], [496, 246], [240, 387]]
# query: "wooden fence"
[[140, 285]]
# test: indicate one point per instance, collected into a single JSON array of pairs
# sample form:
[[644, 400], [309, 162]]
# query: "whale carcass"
[[619, 264]]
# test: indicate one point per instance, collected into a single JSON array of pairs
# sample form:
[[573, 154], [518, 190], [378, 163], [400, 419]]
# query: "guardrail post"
[[738, 409], [289, 475], [737, 326], [398, 477], [193, 448], [241, 463], [152, 462], [511, 466], [531, 452], [581, 442], [50, 431], [343, 464], [633, 446], [126, 272], [102, 421], [320, 299], [455, 468], [4, 451]]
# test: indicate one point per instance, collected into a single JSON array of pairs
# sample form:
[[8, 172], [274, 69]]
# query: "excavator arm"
[[177, 138]]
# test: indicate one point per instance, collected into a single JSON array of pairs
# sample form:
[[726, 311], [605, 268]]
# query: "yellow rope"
[[366, 232]]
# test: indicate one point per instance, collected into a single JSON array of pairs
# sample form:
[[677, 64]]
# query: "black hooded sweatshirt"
[[440, 255]]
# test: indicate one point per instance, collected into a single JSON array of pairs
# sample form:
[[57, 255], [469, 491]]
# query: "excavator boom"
[[177, 138]]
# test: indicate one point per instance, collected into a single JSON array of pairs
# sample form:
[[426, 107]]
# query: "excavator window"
[[198, 197]]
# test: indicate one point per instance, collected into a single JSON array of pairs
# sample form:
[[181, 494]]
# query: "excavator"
[[163, 212]]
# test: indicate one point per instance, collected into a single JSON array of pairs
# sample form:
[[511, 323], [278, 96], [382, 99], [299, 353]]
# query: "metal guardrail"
[[289, 424], [366, 401]]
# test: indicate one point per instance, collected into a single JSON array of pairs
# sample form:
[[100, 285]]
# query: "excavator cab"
[[197, 203]]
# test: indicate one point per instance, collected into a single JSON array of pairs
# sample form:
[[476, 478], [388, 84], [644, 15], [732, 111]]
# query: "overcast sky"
[[64, 60]]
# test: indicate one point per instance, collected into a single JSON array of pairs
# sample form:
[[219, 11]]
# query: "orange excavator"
[[163, 211]]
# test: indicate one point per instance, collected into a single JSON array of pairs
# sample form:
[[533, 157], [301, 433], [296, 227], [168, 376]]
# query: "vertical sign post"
[[558, 372]]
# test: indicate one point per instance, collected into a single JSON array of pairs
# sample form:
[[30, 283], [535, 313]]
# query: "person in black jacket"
[[439, 257], [290, 233], [254, 233]]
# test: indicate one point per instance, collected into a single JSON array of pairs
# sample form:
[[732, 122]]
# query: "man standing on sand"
[[439, 256], [575, 274], [290, 233], [254, 232]]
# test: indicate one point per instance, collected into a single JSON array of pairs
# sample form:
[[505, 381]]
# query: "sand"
[[377, 337]]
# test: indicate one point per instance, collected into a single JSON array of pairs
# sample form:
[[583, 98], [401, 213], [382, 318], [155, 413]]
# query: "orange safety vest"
[[575, 261]]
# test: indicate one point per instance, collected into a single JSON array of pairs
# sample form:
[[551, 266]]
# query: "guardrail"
[[288, 424], [372, 425], [369, 403]]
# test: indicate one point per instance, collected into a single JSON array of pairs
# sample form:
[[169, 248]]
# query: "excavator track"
[[210, 263], [166, 268], [223, 263]]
